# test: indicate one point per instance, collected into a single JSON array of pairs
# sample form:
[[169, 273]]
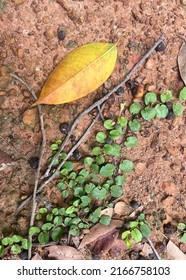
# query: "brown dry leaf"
[[82, 71], [99, 230], [59, 252], [182, 62], [175, 252], [103, 244]]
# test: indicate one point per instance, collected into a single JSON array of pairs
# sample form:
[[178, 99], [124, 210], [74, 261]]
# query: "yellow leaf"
[[82, 71]]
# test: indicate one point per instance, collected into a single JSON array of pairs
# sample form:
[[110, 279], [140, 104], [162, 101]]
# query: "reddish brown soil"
[[29, 46]]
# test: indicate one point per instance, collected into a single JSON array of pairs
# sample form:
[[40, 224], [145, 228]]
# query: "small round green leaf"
[[114, 134], [88, 160], [136, 235], [7, 241], [116, 191], [116, 150], [70, 210], [26, 244], [57, 234], [131, 141], [183, 238], [65, 193], [166, 96], [96, 151], [135, 108], [177, 109], [107, 170], [148, 113], [122, 121], [47, 226], [43, 237], [68, 165], [34, 230], [49, 217], [120, 180], [150, 97], [54, 147], [105, 220], [125, 234], [182, 94], [16, 249], [99, 193], [161, 111], [1, 251], [100, 160], [108, 149], [181, 226], [43, 210], [94, 168], [108, 124], [16, 238], [101, 137], [58, 220], [126, 165], [85, 200], [135, 125], [145, 230]]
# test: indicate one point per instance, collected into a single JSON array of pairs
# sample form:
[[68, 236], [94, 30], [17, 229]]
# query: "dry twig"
[[34, 204]]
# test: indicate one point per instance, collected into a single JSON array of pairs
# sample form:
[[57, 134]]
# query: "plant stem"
[[34, 204], [153, 249]]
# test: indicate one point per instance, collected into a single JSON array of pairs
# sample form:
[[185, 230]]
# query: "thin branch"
[[101, 101], [76, 121], [25, 202], [34, 204], [153, 248]]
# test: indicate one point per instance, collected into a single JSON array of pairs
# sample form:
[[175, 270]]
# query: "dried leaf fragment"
[[182, 62], [99, 230], [59, 252], [82, 71]]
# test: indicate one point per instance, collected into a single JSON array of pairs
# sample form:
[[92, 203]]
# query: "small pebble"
[[111, 100], [161, 47], [130, 83], [134, 204], [76, 155], [120, 91], [61, 34], [64, 128], [133, 255], [34, 161]]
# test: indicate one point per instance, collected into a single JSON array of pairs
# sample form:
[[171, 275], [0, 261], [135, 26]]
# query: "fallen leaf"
[[59, 252], [82, 71], [103, 244], [175, 252], [99, 230], [182, 62]]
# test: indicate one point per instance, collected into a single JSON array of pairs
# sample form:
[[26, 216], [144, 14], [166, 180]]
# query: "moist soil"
[[34, 37]]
